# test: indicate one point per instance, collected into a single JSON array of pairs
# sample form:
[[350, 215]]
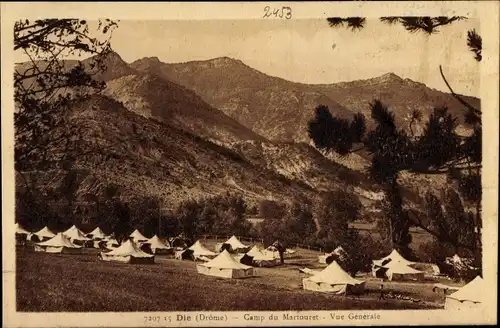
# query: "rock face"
[[279, 110], [197, 129]]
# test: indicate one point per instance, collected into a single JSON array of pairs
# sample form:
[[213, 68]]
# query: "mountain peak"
[[389, 77]]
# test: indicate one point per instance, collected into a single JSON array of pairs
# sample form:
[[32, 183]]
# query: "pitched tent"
[[398, 271], [200, 250], [272, 250], [333, 279], [469, 296], [112, 243], [234, 245], [76, 235], [138, 237], [157, 245], [21, 231], [393, 257], [43, 234], [225, 266], [262, 258], [128, 252], [97, 233], [58, 244]]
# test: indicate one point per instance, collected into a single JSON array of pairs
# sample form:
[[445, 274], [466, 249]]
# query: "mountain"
[[401, 95], [153, 97], [146, 157], [279, 110], [272, 107]]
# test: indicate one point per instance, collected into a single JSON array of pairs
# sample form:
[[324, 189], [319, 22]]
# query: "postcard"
[[249, 164]]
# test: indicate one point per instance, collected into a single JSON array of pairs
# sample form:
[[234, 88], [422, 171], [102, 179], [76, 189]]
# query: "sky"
[[310, 51]]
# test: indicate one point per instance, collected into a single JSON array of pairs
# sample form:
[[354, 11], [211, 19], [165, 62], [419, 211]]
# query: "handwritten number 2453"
[[283, 12]]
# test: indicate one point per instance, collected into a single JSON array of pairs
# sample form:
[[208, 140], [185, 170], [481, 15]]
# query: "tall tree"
[[439, 150]]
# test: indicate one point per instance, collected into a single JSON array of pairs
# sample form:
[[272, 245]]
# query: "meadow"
[[82, 283]]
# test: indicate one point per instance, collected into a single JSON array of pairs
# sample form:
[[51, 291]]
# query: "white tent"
[[97, 233], [396, 267], [333, 279], [43, 234], [225, 266], [261, 258], [399, 271], [156, 244], [393, 257], [20, 230], [236, 245], [112, 243], [128, 252], [274, 252], [137, 236], [470, 296], [58, 244], [75, 234], [200, 250]]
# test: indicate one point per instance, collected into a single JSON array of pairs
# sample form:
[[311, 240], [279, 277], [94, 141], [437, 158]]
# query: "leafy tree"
[[45, 89], [271, 209]]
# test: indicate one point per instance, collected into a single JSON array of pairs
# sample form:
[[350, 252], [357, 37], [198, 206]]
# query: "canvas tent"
[[396, 267], [393, 257], [97, 234], [262, 259], [76, 235], [157, 245], [225, 266], [470, 296], [274, 251], [328, 258], [43, 234], [233, 244], [21, 231], [112, 243], [333, 279], [397, 271], [200, 250], [138, 237], [128, 252], [58, 244]]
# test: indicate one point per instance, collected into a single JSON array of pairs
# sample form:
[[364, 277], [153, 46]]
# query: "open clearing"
[[82, 283]]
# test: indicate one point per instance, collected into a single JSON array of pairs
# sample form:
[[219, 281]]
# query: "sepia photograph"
[[329, 167]]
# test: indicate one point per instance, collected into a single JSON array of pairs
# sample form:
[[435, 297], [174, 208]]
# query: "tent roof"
[[137, 235], [129, 248], [199, 249], [401, 268], [473, 291], [335, 275], [59, 240], [235, 243], [155, 242], [97, 233], [75, 234], [258, 254], [21, 230], [225, 261], [45, 232], [394, 257]]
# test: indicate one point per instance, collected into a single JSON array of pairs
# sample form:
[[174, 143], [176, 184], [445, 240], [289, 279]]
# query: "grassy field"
[[79, 283]]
